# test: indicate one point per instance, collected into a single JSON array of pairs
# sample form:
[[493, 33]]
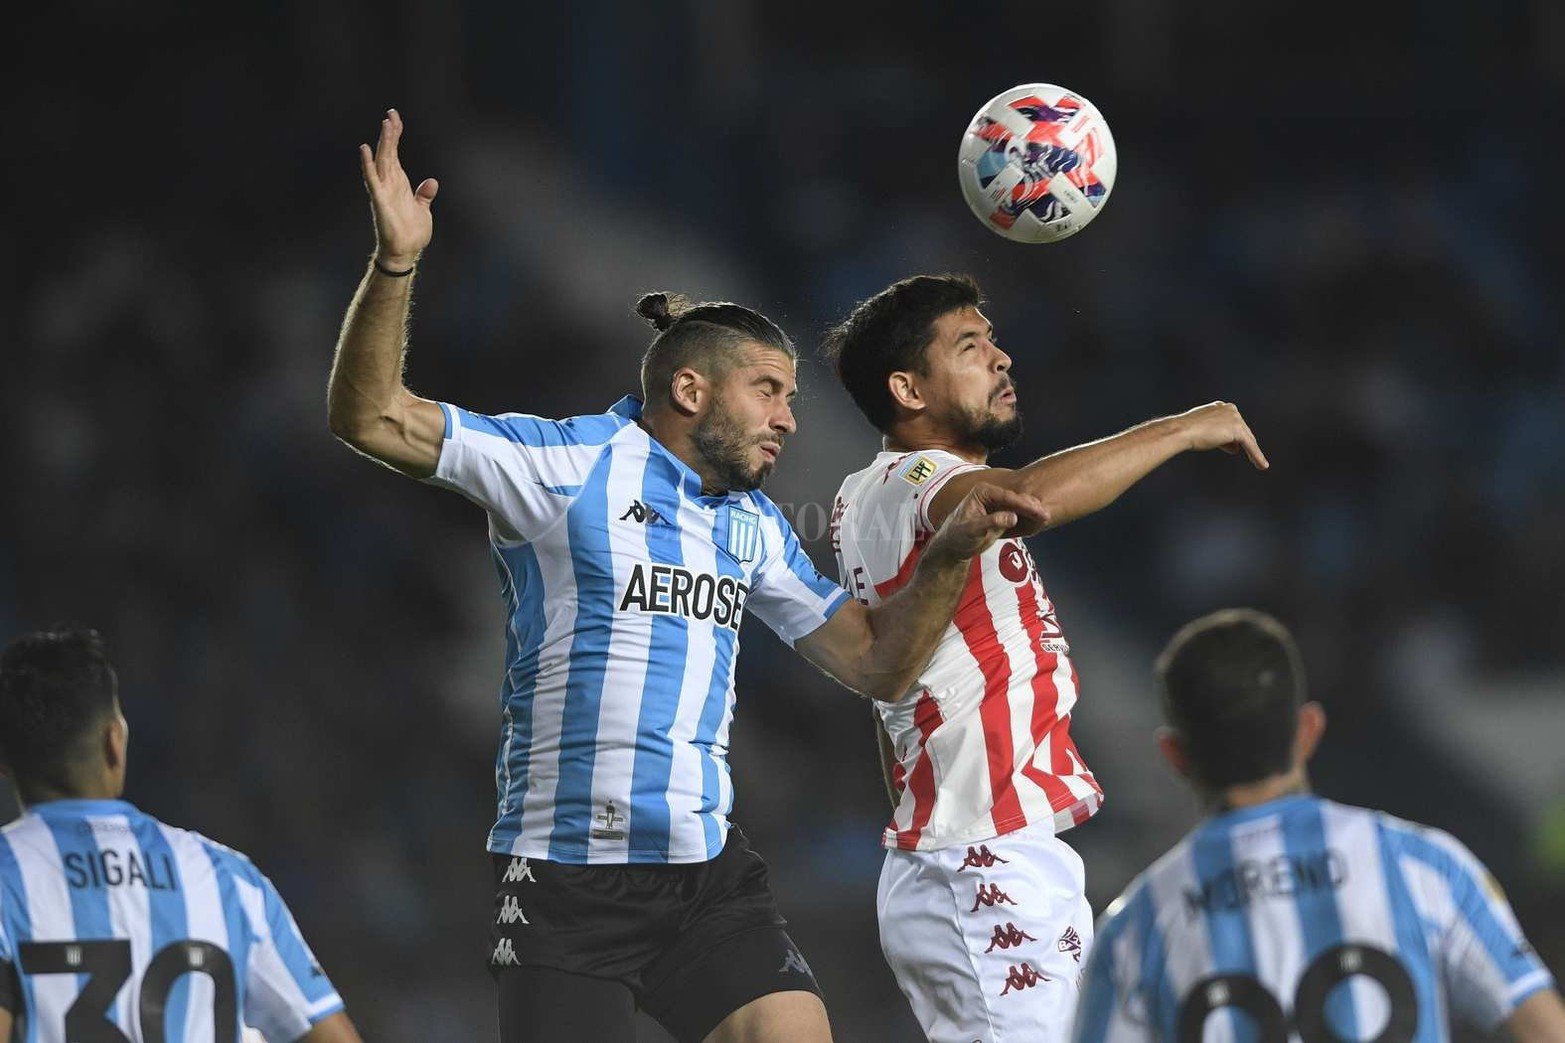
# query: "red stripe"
[[921, 780], [1045, 703], [889, 587], [976, 624]]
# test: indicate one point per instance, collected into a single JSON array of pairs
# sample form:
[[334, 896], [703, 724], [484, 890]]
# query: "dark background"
[[1345, 218]]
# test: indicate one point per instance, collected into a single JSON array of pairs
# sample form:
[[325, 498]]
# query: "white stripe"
[[687, 839], [130, 908], [1363, 904], [49, 911], [1001, 597], [1276, 929], [204, 921], [1186, 947], [625, 673]]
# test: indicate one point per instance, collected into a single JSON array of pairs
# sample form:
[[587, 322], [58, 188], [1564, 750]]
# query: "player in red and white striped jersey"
[[982, 908]]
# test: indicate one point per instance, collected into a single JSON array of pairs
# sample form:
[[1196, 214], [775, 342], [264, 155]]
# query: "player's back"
[[117, 927], [1308, 919]]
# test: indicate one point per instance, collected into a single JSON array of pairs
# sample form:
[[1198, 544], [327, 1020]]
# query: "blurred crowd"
[[1353, 236]]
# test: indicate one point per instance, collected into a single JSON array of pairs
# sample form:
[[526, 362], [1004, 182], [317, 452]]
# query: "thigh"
[[544, 1005], [987, 940], [753, 987]]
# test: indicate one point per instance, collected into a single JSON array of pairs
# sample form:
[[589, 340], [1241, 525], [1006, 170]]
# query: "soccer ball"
[[1037, 163]]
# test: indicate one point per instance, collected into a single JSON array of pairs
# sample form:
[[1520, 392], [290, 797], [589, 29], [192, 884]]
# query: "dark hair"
[[1232, 683], [889, 333], [55, 686], [702, 336]]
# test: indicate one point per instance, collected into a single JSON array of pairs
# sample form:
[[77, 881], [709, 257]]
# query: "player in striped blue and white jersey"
[[1287, 916], [629, 545], [114, 927]]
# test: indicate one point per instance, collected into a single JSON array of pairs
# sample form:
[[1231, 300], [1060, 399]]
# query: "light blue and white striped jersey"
[[1245, 929], [624, 588], [116, 927]]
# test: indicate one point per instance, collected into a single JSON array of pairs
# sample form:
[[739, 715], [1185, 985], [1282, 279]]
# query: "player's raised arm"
[[369, 407], [1076, 482], [881, 651]]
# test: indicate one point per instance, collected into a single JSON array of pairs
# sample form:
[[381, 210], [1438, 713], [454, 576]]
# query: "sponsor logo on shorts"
[[518, 872], [981, 857], [1023, 977], [1070, 942], [504, 955], [990, 896], [510, 910], [794, 962], [1008, 937]]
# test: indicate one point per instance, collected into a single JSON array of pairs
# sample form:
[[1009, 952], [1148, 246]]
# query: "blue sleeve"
[[286, 990], [524, 470], [788, 592], [1117, 1002]]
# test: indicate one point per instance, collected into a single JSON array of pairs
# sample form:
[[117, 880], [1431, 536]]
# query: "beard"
[[989, 429], [725, 446]]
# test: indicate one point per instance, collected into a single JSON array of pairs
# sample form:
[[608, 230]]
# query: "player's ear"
[[1173, 751], [905, 392], [116, 740], [688, 391], [1312, 725]]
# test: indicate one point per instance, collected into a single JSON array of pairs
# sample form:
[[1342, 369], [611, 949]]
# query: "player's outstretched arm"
[[335, 1029], [1539, 1019], [880, 651], [368, 405], [1076, 482]]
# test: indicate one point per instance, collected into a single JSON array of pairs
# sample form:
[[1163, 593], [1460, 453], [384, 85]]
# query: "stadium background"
[[1344, 218]]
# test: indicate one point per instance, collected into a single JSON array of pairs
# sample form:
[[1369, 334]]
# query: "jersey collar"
[[630, 408], [77, 806]]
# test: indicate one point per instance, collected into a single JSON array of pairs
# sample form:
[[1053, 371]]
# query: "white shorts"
[[987, 941]]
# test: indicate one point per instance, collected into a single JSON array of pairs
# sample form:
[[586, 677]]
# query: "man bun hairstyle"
[[1232, 683], [56, 687], [704, 336], [889, 333]]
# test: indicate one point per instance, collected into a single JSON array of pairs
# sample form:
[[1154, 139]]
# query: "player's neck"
[[1249, 794], [911, 438], [676, 439]]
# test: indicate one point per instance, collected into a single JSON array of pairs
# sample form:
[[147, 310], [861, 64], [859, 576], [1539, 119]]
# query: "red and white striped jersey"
[[982, 743]]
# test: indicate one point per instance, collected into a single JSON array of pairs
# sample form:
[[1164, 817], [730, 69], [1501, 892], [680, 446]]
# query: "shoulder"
[[225, 860], [593, 429]]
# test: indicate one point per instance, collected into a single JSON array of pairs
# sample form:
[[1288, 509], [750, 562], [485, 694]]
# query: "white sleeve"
[[916, 480], [524, 470], [788, 592]]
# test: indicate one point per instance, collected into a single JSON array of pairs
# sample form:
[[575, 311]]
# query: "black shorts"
[[575, 949]]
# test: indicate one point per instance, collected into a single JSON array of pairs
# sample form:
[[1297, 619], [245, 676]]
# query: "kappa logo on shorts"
[[510, 911], [517, 872], [990, 896], [794, 961], [1023, 977], [981, 857], [1070, 942], [504, 955], [1008, 937]]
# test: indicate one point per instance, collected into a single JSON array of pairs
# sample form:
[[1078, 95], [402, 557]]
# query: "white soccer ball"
[[1037, 163]]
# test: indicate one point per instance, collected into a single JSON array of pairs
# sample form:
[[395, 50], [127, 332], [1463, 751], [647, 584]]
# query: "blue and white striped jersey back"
[[624, 589], [115, 926], [1302, 918]]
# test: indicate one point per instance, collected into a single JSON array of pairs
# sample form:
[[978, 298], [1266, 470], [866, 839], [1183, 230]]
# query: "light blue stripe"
[[540, 432], [167, 909], [714, 766], [1156, 988], [1304, 842], [1228, 929], [587, 522], [18, 928], [89, 905], [290, 945], [1095, 1007], [521, 585], [1412, 943], [653, 767], [225, 866]]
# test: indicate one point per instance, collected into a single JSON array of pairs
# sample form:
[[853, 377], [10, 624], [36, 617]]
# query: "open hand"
[[1218, 425], [403, 222], [985, 514]]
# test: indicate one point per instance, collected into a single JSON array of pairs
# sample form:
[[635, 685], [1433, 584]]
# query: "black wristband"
[[382, 269]]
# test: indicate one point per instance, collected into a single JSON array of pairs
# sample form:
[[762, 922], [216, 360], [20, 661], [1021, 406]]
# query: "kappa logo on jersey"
[[674, 590], [919, 471], [1008, 937], [744, 534], [981, 857], [504, 955], [517, 872], [510, 911], [990, 896], [1070, 942], [1023, 977], [641, 513], [794, 961]]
